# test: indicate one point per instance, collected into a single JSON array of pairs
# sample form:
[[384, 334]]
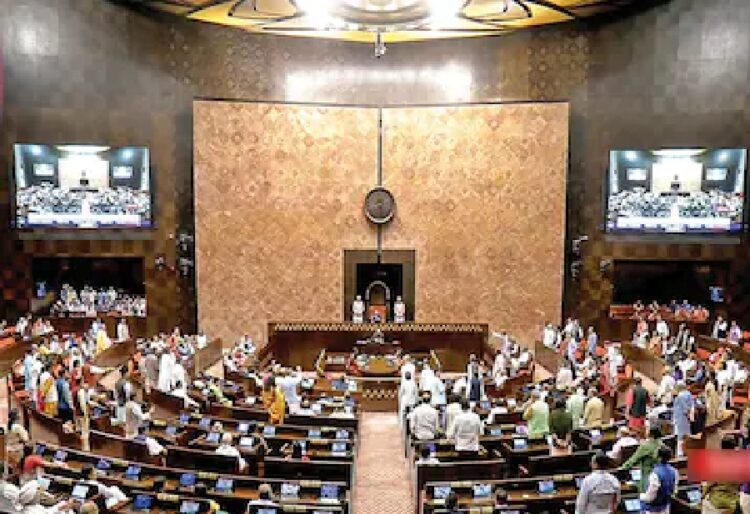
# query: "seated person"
[[226, 448], [265, 497], [624, 439], [426, 456]]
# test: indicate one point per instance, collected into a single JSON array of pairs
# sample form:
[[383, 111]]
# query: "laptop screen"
[[313, 433], [520, 444], [694, 495], [243, 428], [329, 491], [187, 480], [269, 430], [246, 442], [338, 447], [213, 437], [635, 474], [546, 486], [143, 502], [342, 434], [482, 490], [133, 471], [61, 455], [188, 507], [103, 464], [171, 430], [224, 485], [289, 490], [632, 505], [441, 492]]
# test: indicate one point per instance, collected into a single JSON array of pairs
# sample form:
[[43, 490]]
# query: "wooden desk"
[[711, 345], [643, 361], [300, 344]]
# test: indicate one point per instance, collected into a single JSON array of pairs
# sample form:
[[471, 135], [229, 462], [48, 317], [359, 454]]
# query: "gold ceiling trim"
[[394, 20]]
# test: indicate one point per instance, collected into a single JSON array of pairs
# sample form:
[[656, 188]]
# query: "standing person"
[[561, 425], [645, 457], [48, 392], [666, 386], [289, 383], [408, 367], [83, 403], [683, 405], [593, 412], [166, 363], [452, 410], [600, 490], [662, 485], [134, 417], [536, 415], [407, 396], [123, 332], [150, 369], [65, 397], [592, 342], [123, 389], [424, 420], [273, 401], [466, 429], [475, 389], [574, 406], [638, 401], [425, 377], [437, 390]]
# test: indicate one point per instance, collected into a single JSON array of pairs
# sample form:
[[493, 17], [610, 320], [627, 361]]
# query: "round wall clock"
[[380, 206]]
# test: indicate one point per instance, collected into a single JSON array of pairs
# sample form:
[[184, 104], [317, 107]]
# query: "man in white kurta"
[[123, 332], [166, 364], [408, 367], [399, 311], [407, 395], [358, 310]]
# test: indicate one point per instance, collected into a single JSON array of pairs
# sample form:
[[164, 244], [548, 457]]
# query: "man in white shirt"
[[226, 448], [564, 377], [666, 386], [740, 375], [452, 410], [599, 492], [466, 429], [437, 390], [425, 378], [408, 367], [500, 363], [624, 439], [407, 395], [662, 329], [123, 332], [289, 383], [424, 420], [460, 386], [549, 336], [166, 364]]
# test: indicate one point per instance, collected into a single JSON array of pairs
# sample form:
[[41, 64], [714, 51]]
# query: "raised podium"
[[299, 344]]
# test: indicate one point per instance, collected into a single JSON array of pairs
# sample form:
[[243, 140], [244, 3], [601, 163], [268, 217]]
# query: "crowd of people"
[[46, 198], [92, 302], [638, 203]]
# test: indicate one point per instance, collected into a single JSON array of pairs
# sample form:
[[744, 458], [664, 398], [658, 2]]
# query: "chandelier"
[[384, 20]]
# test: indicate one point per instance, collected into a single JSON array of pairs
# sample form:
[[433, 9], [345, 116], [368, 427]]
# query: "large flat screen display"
[[81, 186], [676, 191]]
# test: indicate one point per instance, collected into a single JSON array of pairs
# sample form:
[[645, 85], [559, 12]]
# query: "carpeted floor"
[[383, 485]]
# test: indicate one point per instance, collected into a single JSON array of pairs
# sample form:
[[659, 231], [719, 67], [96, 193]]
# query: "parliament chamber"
[[374, 256]]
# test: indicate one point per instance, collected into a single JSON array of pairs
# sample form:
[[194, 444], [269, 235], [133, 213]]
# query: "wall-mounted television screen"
[[676, 191], [81, 186]]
